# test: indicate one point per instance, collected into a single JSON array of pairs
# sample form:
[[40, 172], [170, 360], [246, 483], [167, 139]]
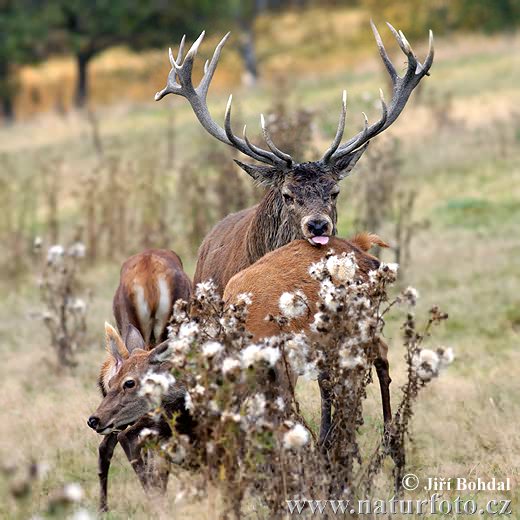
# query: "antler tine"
[[339, 131], [384, 56], [181, 49], [429, 58], [284, 156], [244, 146], [210, 70], [406, 48], [180, 83], [254, 148], [402, 89]]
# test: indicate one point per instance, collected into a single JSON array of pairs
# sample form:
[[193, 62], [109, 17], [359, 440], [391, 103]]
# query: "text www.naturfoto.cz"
[[433, 505]]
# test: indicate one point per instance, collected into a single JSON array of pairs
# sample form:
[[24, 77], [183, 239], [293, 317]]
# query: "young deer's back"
[[149, 285], [286, 270]]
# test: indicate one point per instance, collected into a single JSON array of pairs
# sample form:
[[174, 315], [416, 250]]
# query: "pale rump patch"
[[144, 312], [164, 308]]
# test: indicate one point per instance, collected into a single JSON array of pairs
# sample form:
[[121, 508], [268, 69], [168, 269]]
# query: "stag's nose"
[[317, 227], [93, 422]]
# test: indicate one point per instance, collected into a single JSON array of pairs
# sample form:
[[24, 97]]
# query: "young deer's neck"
[[271, 226]]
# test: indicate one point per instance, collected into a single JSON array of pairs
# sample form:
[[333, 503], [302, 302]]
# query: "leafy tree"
[[23, 26], [92, 26]]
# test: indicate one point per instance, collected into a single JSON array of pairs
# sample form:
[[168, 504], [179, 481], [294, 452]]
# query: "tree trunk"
[[7, 108], [82, 62], [247, 49], [6, 92]]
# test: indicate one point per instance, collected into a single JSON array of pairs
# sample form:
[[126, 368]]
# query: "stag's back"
[[286, 270]]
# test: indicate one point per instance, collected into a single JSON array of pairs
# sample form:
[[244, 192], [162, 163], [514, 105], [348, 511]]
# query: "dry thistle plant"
[[65, 310], [250, 439], [387, 197], [23, 483]]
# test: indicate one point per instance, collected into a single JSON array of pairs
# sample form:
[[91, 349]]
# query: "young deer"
[[300, 200], [287, 270], [150, 283]]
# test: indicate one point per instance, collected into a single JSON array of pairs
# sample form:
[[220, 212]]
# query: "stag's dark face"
[[309, 198]]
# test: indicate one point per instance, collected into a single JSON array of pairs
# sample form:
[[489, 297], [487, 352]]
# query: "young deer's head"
[[121, 379], [305, 193]]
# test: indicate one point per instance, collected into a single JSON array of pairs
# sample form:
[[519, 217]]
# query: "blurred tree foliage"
[[23, 39], [89, 27], [414, 16], [30, 30]]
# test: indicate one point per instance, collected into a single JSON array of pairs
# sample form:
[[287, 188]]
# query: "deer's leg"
[[383, 374], [129, 440], [105, 452], [152, 473], [391, 440], [326, 407]]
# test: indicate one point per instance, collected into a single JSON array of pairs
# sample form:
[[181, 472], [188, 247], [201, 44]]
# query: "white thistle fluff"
[[230, 365], [296, 437], [154, 385], [293, 305], [342, 268], [212, 348]]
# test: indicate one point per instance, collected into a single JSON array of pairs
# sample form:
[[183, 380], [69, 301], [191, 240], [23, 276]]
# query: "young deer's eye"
[[129, 383]]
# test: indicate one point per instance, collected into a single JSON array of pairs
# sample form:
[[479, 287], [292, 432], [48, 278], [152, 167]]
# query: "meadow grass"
[[466, 261]]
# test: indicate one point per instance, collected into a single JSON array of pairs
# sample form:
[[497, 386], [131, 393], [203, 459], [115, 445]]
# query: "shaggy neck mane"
[[271, 226]]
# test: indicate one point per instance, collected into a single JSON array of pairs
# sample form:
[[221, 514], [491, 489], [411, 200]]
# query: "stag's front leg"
[[326, 408], [390, 438], [105, 452]]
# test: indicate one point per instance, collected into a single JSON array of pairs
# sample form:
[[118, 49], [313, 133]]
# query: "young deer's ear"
[[114, 344], [345, 164], [134, 339], [160, 353]]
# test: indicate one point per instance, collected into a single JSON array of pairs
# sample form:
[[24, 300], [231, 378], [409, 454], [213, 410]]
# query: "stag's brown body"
[[150, 283], [242, 238], [287, 270]]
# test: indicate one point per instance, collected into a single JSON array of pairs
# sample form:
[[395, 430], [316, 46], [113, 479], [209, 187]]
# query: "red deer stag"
[[150, 283], [287, 270], [300, 201]]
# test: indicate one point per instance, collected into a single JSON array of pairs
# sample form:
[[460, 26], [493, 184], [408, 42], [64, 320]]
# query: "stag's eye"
[[129, 383], [334, 195], [288, 198]]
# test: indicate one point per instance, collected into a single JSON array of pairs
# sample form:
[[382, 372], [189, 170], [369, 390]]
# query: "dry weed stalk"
[[64, 313], [250, 439], [25, 482], [388, 198]]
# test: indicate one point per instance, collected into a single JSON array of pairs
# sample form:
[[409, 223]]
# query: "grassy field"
[[467, 175]]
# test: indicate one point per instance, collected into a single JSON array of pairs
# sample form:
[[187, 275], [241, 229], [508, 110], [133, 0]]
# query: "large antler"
[[402, 88], [180, 82]]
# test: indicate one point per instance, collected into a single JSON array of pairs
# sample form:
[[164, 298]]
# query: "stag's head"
[[307, 192], [121, 381]]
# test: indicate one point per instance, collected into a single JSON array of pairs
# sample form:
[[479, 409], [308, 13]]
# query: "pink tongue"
[[320, 240]]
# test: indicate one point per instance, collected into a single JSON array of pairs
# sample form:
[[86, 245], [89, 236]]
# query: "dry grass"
[[468, 189]]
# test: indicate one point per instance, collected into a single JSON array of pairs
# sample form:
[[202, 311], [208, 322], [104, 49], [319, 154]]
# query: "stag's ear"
[[160, 353], [345, 164], [114, 344], [265, 175], [134, 339]]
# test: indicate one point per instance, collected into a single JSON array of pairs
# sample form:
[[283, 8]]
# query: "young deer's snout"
[[93, 422]]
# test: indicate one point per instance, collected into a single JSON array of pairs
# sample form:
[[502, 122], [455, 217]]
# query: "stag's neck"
[[270, 227]]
